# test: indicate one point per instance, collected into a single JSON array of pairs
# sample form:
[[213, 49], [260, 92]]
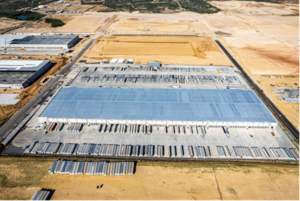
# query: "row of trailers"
[[42, 195], [54, 126], [92, 168], [161, 79], [144, 129], [113, 150], [75, 127], [149, 68], [254, 152]]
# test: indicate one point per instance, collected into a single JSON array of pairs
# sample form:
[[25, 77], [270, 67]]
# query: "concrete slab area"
[[214, 137], [8, 99]]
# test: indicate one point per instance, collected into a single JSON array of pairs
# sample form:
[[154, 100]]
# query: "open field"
[[82, 24], [168, 50], [256, 8], [7, 23], [158, 26], [25, 95], [21, 177]]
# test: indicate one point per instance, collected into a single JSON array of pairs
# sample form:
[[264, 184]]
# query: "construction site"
[[167, 50]]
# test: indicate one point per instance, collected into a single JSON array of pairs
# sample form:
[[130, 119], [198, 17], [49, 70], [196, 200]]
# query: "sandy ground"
[[155, 181], [256, 8], [168, 50], [7, 23], [158, 26], [28, 93], [82, 24]]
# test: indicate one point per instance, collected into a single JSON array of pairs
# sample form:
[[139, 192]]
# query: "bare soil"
[[155, 181], [168, 50]]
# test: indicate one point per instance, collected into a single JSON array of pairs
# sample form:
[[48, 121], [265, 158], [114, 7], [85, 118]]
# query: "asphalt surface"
[[288, 125], [43, 92]]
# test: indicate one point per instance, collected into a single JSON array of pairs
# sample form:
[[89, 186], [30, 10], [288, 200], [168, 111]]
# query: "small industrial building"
[[21, 74], [157, 106], [153, 64], [38, 42]]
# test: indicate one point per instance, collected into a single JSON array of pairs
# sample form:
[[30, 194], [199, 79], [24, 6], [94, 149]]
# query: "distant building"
[[38, 42]]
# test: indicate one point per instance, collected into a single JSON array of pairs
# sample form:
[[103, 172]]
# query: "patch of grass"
[[54, 22], [23, 172], [30, 16], [271, 170]]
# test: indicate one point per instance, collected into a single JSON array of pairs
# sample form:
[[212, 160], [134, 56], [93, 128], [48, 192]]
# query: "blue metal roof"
[[158, 104], [156, 64]]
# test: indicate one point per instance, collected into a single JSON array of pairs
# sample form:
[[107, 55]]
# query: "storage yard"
[[153, 180], [92, 168], [166, 49]]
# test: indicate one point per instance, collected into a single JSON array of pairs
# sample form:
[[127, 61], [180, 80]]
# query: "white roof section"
[[6, 39], [120, 61], [15, 65], [114, 60], [8, 99]]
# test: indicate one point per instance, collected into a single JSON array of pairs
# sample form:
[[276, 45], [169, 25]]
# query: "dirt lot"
[[28, 93], [158, 26], [21, 177], [82, 24], [7, 23], [168, 50]]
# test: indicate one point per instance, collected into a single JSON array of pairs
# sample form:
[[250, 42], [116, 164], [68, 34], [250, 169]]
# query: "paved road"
[[289, 126], [25, 109]]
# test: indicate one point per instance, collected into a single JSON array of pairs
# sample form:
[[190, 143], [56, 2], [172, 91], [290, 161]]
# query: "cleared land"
[[144, 25], [7, 23], [161, 180], [168, 50], [82, 24]]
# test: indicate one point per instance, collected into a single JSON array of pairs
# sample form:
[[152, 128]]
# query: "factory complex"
[[37, 42], [155, 111], [18, 74]]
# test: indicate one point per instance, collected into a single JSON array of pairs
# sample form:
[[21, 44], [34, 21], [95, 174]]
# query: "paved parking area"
[[214, 137]]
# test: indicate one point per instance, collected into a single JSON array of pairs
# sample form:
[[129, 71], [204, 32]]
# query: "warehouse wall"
[[37, 74]]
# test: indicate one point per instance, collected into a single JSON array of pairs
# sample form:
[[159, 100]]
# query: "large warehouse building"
[[38, 42], [21, 74], [206, 107]]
